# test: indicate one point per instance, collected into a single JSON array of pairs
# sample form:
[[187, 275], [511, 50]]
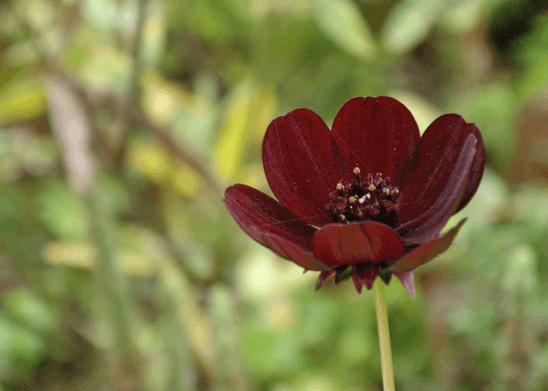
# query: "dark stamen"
[[371, 199]]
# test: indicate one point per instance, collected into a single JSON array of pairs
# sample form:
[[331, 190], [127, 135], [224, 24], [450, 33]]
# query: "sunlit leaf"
[[82, 255], [150, 160], [463, 16], [102, 66], [154, 33], [408, 24], [186, 180], [21, 99], [262, 112], [28, 308], [140, 252], [342, 21], [186, 116], [234, 139], [159, 99]]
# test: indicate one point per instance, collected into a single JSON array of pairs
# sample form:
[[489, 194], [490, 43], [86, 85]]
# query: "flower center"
[[369, 198]]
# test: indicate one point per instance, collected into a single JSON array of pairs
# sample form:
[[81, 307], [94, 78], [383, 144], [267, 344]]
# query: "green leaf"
[[493, 108], [21, 99], [25, 306], [63, 213], [233, 137], [342, 21], [20, 350], [520, 275], [533, 80], [408, 24], [343, 275]]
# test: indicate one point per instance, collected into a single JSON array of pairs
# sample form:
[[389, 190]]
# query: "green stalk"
[[112, 283], [384, 339]]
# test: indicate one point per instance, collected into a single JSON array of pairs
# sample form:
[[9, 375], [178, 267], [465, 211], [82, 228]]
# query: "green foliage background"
[[121, 123]]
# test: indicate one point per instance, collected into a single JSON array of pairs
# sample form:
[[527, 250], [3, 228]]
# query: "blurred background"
[[123, 121]]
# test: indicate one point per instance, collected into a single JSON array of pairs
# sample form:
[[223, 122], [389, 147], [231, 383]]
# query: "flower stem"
[[384, 339]]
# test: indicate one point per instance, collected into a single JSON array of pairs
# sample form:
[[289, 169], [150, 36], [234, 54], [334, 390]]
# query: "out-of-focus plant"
[[143, 282]]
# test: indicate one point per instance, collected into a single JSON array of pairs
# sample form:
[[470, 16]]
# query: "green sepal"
[[342, 275], [385, 276]]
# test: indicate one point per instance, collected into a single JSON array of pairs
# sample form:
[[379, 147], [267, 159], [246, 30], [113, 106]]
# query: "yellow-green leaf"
[[234, 139], [342, 22], [21, 99]]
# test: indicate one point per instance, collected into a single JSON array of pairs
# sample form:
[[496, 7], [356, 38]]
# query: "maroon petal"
[[302, 163], [323, 277], [364, 274], [408, 282], [272, 225], [436, 180], [476, 169], [376, 135], [367, 241], [426, 252]]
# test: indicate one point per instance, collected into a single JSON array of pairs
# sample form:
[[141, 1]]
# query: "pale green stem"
[[384, 339]]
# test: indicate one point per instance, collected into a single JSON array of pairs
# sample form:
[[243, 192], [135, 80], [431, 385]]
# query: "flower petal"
[[323, 277], [436, 180], [367, 241], [272, 225], [476, 169], [364, 274], [426, 252], [303, 164], [376, 135], [408, 282]]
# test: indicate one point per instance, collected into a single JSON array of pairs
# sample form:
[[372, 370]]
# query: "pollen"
[[369, 197]]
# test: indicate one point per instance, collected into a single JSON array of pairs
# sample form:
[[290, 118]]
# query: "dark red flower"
[[368, 197]]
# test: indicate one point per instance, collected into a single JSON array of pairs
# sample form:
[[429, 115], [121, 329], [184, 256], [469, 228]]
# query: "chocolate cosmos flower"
[[368, 197]]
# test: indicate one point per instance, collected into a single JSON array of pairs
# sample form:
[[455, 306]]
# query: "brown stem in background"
[[129, 108], [96, 99], [72, 129], [179, 148]]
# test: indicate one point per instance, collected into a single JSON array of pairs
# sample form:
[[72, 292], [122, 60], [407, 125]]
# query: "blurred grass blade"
[[113, 290], [198, 330], [342, 21], [223, 310]]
